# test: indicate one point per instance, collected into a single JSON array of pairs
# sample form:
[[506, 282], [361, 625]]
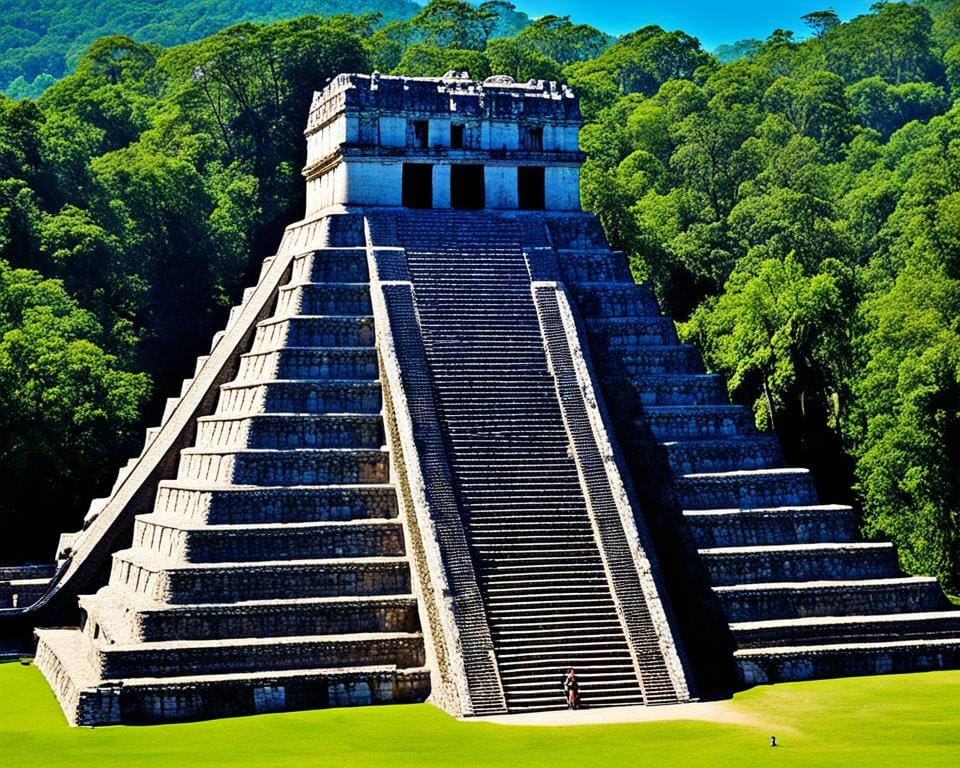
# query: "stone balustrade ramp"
[[272, 573]]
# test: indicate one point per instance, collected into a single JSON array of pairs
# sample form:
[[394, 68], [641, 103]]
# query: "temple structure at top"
[[450, 142]]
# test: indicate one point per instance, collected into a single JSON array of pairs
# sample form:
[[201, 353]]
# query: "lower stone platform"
[[88, 699], [808, 662]]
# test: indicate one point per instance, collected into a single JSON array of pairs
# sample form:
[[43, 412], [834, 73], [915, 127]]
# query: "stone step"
[[744, 490], [758, 666], [28, 571], [833, 630], [176, 658], [578, 655], [304, 466], [533, 542], [584, 627], [94, 701], [597, 688], [582, 266], [154, 578], [291, 430], [558, 605], [489, 524], [149, 435], [314, 331], [610, 642], [511, 588], [155, 622], [546, 681], [344, 363], [277, 504], [777, 525], [673, 359], [628, 333], [680, 389], [300, 396], [169, 406], [671, 423], [324, 299], [800, 562], [331, 265], [550, 619], [771, 601], [613, 300], [730, 454], [169, 537], [216, 339], [551, 472], [460, 389], [94, 510], [505, 567]]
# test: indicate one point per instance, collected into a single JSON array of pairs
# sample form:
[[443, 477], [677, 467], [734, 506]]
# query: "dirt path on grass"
[[710, 711]]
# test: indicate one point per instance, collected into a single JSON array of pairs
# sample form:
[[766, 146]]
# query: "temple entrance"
[[417, 185], [466, 187], [530, 189]]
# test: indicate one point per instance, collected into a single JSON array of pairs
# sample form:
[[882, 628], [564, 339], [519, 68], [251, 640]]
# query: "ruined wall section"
[[363, 128]]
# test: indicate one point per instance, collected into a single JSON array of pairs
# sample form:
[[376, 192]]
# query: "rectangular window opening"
[[456, 137], [531, 139], [421, 133]]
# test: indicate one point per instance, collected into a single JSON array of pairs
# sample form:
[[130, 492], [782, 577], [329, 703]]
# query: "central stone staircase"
[[272, 573], [542, 579]]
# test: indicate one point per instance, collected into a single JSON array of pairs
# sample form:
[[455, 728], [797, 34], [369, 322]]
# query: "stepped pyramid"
[[398, 473]]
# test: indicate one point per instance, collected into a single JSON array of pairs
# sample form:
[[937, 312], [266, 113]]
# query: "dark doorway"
[[466, 187], [530, 189], [456, 136], [417, 185]]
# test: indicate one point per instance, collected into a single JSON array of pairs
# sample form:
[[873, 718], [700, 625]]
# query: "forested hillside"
[[42, 40], [797, 209]]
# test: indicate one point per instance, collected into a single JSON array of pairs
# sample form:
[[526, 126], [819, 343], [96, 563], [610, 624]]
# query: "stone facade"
[[364, 132]]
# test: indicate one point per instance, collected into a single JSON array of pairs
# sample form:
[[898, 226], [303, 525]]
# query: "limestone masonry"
[[446, 448]]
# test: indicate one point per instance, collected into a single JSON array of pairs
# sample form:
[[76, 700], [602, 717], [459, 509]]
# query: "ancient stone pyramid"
[[395, 474]]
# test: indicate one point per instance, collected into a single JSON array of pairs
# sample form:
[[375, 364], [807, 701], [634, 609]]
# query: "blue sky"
[[721, 21]]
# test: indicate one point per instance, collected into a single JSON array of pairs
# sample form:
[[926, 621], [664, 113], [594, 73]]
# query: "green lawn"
[[901, 721]]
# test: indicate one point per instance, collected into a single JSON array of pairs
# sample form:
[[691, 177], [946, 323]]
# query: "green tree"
[[421, 60], [558, 38], [67, 410], [455, 24], [910, 448], [781, 338]]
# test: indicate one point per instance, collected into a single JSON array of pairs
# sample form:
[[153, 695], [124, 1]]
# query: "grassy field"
[[901, 721]]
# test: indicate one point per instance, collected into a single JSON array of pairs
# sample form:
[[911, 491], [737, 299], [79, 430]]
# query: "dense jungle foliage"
[[796, 207], [42, 40]]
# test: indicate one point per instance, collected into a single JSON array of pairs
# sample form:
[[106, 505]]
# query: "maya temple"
[[446, 448]]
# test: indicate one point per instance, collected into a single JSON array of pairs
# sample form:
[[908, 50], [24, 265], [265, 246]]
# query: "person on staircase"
[[571, 689]]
